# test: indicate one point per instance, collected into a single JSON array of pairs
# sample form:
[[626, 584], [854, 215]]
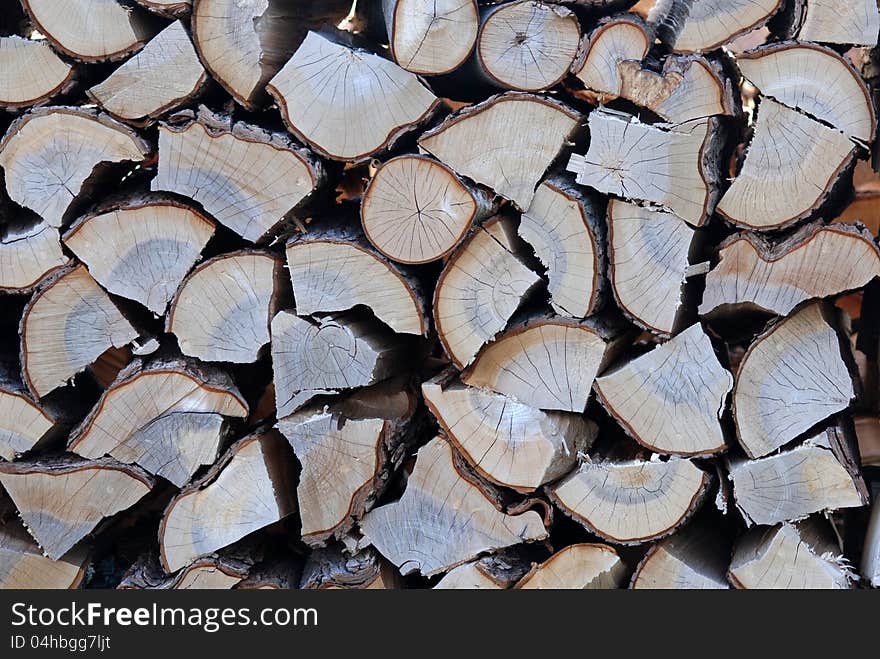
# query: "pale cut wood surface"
[[853, 22], [692, 559], [22, 564], [704, 25], [23, 423], [27, 255], [615, 40], [577, 567], [31, 73], [466, 577], [870, 564], [494, 572], [172, 8]]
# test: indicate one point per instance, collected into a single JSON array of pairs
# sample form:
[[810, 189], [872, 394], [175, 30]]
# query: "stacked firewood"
[[410, 293]]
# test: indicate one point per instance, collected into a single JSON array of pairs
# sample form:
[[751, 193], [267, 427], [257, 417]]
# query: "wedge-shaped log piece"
[[816, 261], [789, 557], [249, 488], [483, 284], [671, 399], [619, 39], [245, 177], [634, 501], [141, 249], [506, 142], [170, 8], [50, 152], [791, 377], [672, 168], [348, 452], [61, 500], [547, 363], [223, 308], [23, 566], [431, 39], [508, 443], [527, 45], [443, 519], [564, 227], [496, 572], [328, 354], [348, 104], [31, 73], [330, 569], [815, 80], [67, 325], [584, 566], [165, 74], [695, 558], [167, 416], [90, 30], [23, 423], [855, 22], [648, 258], [703, 25], [791, 166], [793, 484], [27, 254]]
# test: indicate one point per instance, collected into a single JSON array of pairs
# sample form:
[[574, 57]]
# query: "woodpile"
[[457, 294]]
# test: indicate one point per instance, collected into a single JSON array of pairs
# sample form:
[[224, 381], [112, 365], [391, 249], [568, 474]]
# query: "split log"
[[564, 227], [249, 488], [631, 502], [816, 261], [328, 354], [506, 442], [24, 425], [546, 363], [855, 22], [615, 40], [279, 574], [416, 210], [165, 74], [49, 153], [790, 485], [168, 8], [348, 452], [506, 142], [434, 39], [69, 322], [326, 569], [22, 564], [498, 572], [90, 30], [689, 26], [61, 500], [31, 73], [870, 566], [671, 399], [792, 165], [527, 45], [789, 557], [166, 415], [692, 559], [141, 249], [792, 377], [246, 177], [675, 168], [381, 100], [27, 255], [223, 308], [219, 572], [443, 519], [816, 81], [577, 567], [484, 282]]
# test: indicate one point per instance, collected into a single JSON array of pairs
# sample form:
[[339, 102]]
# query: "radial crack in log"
[[444, 520], [380, 101], [855, 22], [27, 255], [329, 569], [695, 558], [24, 424], [791, 377], [49, 154], [507, 142], [497, 572], [23, 566], [584, 566], [31, 73]]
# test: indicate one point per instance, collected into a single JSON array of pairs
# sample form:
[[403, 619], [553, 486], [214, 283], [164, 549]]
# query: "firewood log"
[[417, 210], [66, 326], [165, 74], [22, 564], [496, 572], [484, 282], [618, 39], [855, 22], [431, 40], [61, 500], [165, 415], [222, 310], [577, 567], [246, 177], [630, 502], [506, 142], [31, 73], [792, 377], [281, 574], [49, 153], [693, 559], [327, 569], [870, 565], [27, 255], [221, 571], [671, 399], [249, 488], [24, 424], [506, 442], [382, 101], [443, 519], [169, 8], [816, 261], [142, 248]]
